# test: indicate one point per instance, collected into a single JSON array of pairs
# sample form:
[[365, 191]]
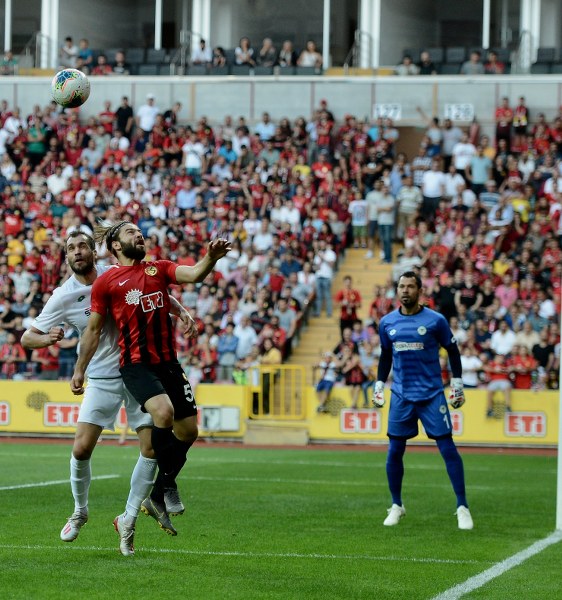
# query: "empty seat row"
[[239, 70]]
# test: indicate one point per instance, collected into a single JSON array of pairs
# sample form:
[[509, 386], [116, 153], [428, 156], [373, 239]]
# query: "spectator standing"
[[463, 152], [124, 117], [86, 55], [409, 202], [452, 135], [226, 350], [324, 262], [504, 120], [385, 217], [329, 369], [523, 365], [68, 54], [358, 209], [146, 118], [479, 171], [349, 301], [433, 189]]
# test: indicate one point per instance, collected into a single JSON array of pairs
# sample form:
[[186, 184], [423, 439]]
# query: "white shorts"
[[499, 385], [102, 401]]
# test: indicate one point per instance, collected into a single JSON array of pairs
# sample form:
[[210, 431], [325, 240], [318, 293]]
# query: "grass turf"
[[278, 524]]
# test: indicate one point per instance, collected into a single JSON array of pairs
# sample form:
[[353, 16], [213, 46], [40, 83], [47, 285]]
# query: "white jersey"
[[70, 303]]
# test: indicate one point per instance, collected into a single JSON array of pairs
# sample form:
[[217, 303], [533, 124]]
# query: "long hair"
[[109, 234]]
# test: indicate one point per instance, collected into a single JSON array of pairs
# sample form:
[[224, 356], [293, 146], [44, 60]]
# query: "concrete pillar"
[[326, 35], [158, 24]]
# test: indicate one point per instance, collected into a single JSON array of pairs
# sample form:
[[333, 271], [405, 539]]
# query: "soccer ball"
[[70, 88]]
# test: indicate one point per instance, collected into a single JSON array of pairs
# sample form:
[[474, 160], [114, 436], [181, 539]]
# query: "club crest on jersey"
[[442, 409], [422, 330], [133, 296], [152, 270]]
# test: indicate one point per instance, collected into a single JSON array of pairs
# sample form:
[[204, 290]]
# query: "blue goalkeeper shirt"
[[415, 341]]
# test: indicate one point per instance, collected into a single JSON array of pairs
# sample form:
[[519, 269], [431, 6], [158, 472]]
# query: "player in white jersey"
[[70, 303]]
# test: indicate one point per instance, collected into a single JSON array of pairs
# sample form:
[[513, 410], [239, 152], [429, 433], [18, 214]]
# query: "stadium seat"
[[546, 55], [197, 70], [540, 69], [450, 69], [286, 70], [455, 54], [155, 57], [230, 56], [263, 70], [164, 69], [413, 52], [556, 68], [436, 55], [148, 70], [240, 70], [135, 56], [220, 70], [307, 71]]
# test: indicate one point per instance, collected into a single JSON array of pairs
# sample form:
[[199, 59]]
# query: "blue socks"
[[395, 468], [455, 469]]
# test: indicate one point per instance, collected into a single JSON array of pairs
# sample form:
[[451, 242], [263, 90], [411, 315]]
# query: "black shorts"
[[146, 381]]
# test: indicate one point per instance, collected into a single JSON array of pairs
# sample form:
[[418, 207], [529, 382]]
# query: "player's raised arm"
[[215, 251], [88, 346], [34, 338]]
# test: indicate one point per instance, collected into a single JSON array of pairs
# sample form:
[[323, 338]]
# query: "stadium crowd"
[[479, 218]]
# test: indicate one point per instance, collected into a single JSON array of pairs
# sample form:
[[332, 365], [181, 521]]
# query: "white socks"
[[142, 481], [80, 478]]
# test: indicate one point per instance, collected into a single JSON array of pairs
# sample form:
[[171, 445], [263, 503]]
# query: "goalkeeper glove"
[[378, 394], [456, 393]]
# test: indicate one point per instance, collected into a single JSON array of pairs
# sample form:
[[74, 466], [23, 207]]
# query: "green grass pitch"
[[278, 524]]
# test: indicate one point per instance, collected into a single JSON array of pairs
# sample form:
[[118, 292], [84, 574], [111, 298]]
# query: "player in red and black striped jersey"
[[135, 294]]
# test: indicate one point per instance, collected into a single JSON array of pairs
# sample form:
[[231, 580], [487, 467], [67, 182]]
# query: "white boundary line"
[[21, 486], [498, 569], [313, 556]]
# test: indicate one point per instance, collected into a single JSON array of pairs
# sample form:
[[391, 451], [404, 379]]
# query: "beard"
[[83, 269], [133, 251]]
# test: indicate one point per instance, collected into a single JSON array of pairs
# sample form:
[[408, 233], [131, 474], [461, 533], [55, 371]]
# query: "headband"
[[112, 234]]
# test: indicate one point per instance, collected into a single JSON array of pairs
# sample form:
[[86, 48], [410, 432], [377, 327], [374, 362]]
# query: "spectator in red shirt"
[[349, 301], [504, 119], [522, 366]]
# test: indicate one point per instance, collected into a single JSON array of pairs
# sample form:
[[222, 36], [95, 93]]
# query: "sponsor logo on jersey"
[[80, 298], [133, 296], [404, 346], [392, 332], [422, 330], [152, 270], [120, 283]]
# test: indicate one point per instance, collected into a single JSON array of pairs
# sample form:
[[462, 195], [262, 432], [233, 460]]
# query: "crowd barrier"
[[228, 412]]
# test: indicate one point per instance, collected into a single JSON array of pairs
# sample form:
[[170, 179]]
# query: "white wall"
[[406, 24]]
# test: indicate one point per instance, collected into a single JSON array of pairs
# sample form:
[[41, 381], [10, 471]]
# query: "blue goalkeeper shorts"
[[403, 417]]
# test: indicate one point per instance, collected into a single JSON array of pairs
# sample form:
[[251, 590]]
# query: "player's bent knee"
[[161, 411], [82, 451]]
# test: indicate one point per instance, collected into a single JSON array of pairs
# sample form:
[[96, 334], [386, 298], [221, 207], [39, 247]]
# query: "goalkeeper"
[[410, 340]]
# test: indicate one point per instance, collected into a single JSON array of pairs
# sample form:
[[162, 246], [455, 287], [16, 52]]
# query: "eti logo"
[[360, 421], [60, 414], [4, 413], [525, 424]]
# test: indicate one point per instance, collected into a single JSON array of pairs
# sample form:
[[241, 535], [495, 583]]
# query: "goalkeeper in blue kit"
[[410, 340]]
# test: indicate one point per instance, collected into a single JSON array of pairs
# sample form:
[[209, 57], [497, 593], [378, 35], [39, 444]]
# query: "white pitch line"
[[313, 556], [498, 569], [47, 483]]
